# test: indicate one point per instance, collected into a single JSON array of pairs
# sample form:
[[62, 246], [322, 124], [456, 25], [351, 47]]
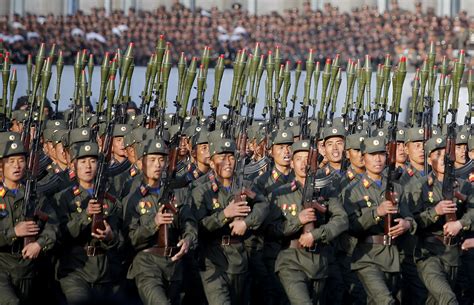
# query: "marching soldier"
[[267, 287], [302, 264], [416, 155], [461, 152], [157, 269], [377, 265], [438, 257], [402, 156], [223, 222], [88, 262], [17, 255]]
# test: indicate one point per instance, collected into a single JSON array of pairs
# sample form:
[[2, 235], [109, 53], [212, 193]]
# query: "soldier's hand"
[[105, 235], [452, 228], [468, 244], [238, 227], [26, 228], [236, 209], [307, 215], [445, 207], [163, 218], [400, 228], [31, 250], [93, 207], [387, 207], [184, 244], [306, 240]]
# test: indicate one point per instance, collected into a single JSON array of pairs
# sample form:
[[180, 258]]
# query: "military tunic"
[[299, 268], [83, 262], [437, 263], [16, 273], [156, 276], [223, 259], [377, 265]]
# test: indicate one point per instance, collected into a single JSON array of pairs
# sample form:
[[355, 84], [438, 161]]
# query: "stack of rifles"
[[364, 112]]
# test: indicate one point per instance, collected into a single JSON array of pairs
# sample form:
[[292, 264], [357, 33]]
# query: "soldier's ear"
[[212, 164], [292, 164]]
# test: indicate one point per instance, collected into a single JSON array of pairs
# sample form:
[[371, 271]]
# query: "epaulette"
[[214, 185], [133, 171], [410, 171], [275, 174], [143, 190], [366, 183], [76, 190], [294, 185], [72, 175], [3, 191], [350, 175]]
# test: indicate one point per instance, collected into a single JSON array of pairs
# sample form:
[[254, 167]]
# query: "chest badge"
[[293, 209], [215, 204], [78, 206]]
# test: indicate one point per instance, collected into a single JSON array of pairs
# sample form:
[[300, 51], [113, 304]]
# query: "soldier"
[[223, 221], [461, 152], [334, 148], [302, 264], [402, 156], [354, 155], [156, 269], [437, 258], [88, 262], [119, 154], [267, 288], [377, 265], [18, 256]]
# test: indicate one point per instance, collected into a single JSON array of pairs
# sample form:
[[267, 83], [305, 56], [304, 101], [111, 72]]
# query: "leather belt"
[[94, 250], [162, 251], [376, 239], [227, 240], [447, 241]]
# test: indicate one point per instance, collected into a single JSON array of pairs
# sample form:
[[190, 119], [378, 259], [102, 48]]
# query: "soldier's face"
[[86, 169], [299, 162], [355, 157], [14, 168], [436, 160], [416, 152], [118, 147], [16, 127], [375, 163], [183, 146], [60, 153], [223, 165], [154, 165], [281, 153], [202, 153], [401, 153], [461, 153], [334, 148]]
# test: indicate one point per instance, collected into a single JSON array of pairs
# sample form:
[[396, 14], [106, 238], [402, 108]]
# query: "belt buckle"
[[90, 250], [225, 240], [387, 240]]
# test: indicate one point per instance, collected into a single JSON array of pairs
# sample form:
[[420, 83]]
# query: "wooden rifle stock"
[[390, 190]]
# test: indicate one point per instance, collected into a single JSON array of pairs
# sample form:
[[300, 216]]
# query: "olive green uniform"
[[302, 272], [223, 259], [377, 265], [158, 279], [84, 263], [437, 263], [16, 273]]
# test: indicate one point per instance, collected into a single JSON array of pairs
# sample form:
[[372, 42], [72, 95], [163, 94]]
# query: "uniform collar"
[[367, 181]]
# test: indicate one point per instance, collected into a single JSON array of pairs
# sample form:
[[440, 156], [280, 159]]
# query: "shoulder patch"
[[75, 190], [366, 183]]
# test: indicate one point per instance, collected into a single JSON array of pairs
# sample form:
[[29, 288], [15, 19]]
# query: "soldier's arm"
[[468, 218], [188, 223], [47, 237], [208, 220], [405, 210], [338, 222], [275, 221], [260, 210], [114, 220]]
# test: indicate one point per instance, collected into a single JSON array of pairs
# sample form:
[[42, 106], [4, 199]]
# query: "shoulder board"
[[3, 191], [294, 185], [350, 174], [76, 190], [410, 171], [366, 183]]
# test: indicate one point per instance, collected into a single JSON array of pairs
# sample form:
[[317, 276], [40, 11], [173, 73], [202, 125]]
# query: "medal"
[[143, 211]]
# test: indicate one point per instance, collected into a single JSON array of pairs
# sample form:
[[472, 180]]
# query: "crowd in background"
[[329, 31]]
